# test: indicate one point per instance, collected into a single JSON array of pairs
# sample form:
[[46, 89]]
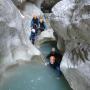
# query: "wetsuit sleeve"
[[38, 22]]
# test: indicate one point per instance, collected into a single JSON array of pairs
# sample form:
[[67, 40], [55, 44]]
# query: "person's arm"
[[39, 25], [59, 57], [38, 22], [45, 27]]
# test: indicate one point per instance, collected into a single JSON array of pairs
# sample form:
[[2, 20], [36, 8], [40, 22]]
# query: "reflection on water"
[[34, 76]]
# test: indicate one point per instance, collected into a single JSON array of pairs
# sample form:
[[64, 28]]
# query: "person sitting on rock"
[[33, 36], [42, 25]]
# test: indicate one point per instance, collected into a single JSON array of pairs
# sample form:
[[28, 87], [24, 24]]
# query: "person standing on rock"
[[35, 23]]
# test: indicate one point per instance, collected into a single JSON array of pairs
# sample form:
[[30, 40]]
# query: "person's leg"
[[33, 41], [42, 30]]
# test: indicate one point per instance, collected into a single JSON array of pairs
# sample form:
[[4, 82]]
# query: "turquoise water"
[[33, 76], [46, 47]]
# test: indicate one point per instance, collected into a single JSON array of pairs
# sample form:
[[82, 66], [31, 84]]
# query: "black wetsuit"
[[58, 58], [35, 24], [42, 26]]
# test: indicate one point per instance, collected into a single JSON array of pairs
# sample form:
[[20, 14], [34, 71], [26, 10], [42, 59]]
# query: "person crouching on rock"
[[33, 36], [42, 25]]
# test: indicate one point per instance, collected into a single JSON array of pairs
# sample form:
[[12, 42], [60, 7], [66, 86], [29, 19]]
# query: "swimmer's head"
[[53, 49]]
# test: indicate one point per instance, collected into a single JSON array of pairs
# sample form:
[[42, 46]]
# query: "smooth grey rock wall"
[[71, 23], [14, 44]]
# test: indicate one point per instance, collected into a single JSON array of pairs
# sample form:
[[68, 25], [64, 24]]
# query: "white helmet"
[[33, 30]]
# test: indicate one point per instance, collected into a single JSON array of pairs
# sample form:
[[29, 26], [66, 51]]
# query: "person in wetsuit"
[[42, 25], [54, 59], [35, 23]]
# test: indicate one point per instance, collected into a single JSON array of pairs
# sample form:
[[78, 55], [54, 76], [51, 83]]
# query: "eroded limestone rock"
[[71, 23], [14, 43]]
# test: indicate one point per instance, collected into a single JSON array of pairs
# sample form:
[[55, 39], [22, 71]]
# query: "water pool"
[[33, 76]]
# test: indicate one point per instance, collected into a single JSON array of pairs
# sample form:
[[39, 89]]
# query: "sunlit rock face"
[[71, 23], [14, 44]]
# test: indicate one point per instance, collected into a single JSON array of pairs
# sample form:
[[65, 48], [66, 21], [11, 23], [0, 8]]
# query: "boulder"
[[45, 36]]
